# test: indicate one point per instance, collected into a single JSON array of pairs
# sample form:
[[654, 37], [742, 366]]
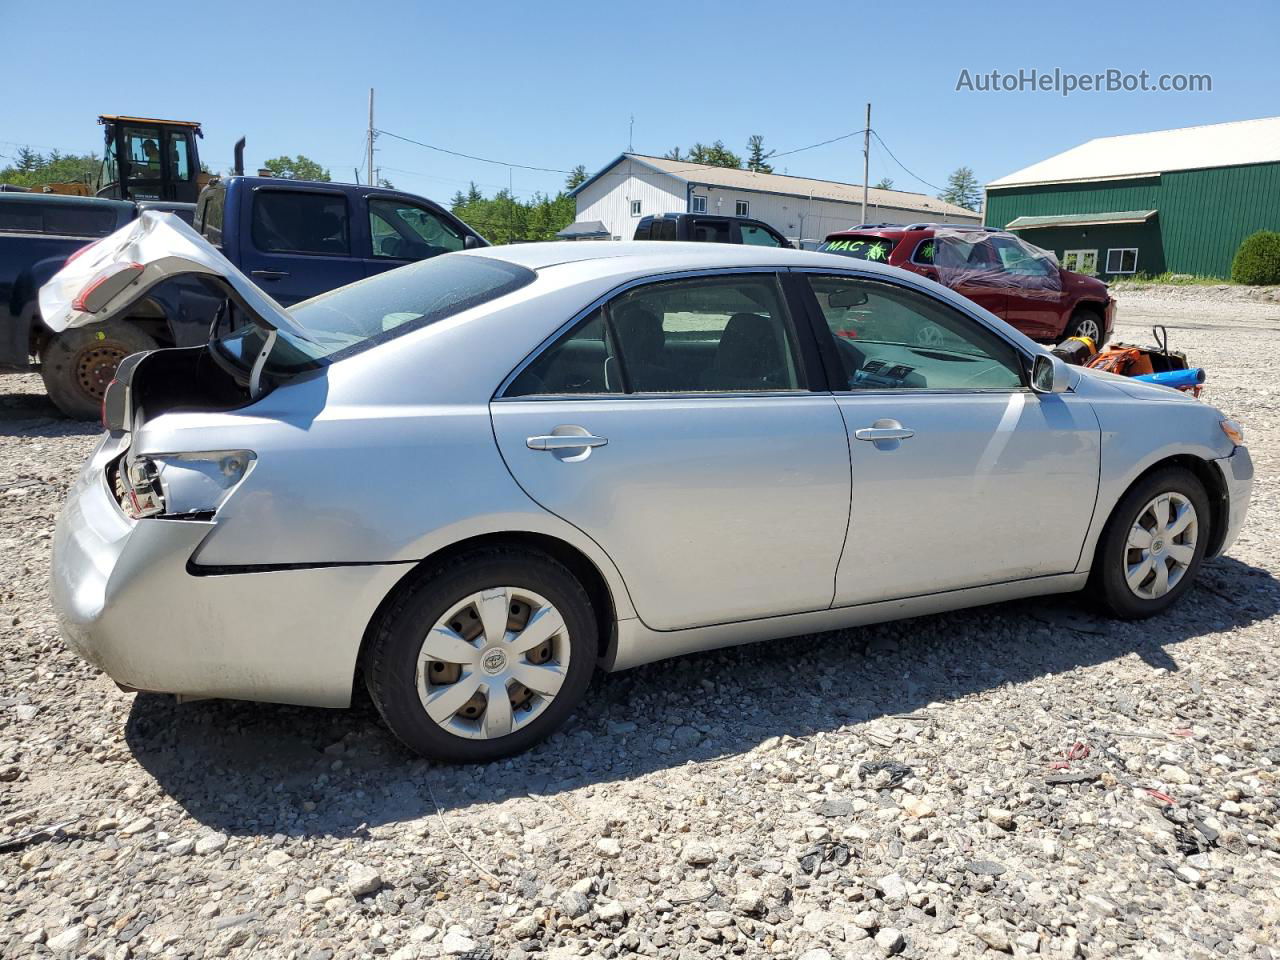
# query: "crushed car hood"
[[105, 279]]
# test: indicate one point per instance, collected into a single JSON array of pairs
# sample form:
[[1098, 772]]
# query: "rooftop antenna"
[[631, 133]]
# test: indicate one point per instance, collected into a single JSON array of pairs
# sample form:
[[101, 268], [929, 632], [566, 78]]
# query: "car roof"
[[624, 257]]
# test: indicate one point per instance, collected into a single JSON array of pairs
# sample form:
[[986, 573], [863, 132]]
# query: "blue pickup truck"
[[295, 238]]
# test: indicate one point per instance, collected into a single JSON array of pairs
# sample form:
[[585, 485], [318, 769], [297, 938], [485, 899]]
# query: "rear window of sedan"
[[355, 317], [875, 249]]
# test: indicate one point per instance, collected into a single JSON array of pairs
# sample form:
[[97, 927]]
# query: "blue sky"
[[554, 84]]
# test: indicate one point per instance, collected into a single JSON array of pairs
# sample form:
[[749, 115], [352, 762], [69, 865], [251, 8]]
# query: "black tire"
[[391, 660], [77, 364], [1086, 318], [1107, 584]]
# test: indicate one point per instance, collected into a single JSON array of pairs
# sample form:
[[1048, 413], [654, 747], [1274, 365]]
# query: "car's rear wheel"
[[1086, 323], [78, 364], [483, 657], [1153, 544]]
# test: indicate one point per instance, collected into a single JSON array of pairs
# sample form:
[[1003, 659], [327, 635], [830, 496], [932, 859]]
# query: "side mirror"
[[1049, 374], [469, 242]]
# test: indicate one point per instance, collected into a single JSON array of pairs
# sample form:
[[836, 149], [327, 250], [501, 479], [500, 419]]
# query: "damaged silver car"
[[471, 481]]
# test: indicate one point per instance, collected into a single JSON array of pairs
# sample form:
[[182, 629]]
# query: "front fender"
[[1139, 433]]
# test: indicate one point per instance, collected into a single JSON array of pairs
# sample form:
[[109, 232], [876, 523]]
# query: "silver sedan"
[[473, 480]]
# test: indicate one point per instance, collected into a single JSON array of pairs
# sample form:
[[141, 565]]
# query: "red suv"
[[1021, 284]]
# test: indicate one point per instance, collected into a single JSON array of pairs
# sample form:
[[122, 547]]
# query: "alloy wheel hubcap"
[[1089, 328], [493, 663], [1160, 546]]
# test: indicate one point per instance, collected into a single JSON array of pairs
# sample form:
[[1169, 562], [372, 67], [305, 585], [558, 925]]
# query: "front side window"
[[742, 208], [758, 236], [1022, 260], [142, 152], [1122, 260], [890, 338], [294, 221], [698, 204], [722, 334], [405, 231]]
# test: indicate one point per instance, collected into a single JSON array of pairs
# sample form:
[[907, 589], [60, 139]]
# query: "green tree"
[[756, 156], [716, 155], [884, 183], [296, 168], [962, 189], [1258, 259], [503, 218], [673, 154], [577, 177], [30, 169]]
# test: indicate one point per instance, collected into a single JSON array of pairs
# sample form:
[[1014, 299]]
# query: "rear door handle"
[[269, 274], [569, 441], [884, 433]]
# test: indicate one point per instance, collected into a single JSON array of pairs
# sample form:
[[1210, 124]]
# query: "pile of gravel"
[[1017, 780]]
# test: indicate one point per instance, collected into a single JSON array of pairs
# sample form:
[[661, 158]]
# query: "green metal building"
[[1172, 200]]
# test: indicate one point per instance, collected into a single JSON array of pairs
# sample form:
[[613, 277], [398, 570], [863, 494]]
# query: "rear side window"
[[209, 215], [875, 249], [67, 220], [709, 231], [291, 221]]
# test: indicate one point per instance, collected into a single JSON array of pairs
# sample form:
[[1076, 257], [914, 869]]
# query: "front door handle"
[[269, 274], [564, 441], [884, 432]]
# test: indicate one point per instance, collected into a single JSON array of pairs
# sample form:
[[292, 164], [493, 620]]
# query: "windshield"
[[875, 249], [361, 315]]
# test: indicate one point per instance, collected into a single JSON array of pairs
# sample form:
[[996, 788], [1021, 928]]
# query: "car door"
[[674, 425], [300, 242], [402, 231], [962, 476], [1034, 288]]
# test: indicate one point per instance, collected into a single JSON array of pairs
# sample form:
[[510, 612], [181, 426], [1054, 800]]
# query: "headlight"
[[182, 484], [1233, 430]]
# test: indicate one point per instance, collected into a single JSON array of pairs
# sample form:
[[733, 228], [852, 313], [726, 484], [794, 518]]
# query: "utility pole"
[[369, 158], [866, 154]]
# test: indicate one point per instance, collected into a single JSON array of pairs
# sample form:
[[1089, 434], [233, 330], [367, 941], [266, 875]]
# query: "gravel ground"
[[909, 789]]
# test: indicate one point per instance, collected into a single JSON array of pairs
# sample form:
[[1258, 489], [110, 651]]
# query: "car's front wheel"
[[484, 656], [1153, 544], [1086, 323]]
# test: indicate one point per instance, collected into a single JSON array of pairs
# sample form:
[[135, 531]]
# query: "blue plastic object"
[[1178, 379]]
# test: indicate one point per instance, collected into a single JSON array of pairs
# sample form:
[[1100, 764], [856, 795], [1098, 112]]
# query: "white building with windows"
[[633, 186]]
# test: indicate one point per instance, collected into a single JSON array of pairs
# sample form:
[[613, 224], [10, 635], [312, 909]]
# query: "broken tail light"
[[180, 485]]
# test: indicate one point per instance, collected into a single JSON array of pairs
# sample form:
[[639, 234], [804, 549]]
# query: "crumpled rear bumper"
[[127, 602], [1237, 474]]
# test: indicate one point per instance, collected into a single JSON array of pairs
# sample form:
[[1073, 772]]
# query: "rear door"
[[961, 475], [300, 241], [674, 425]]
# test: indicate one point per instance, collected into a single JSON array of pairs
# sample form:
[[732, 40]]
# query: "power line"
[[900, 163], [468, 156], [814, 146]]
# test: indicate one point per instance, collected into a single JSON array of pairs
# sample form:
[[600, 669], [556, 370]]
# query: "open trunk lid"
[[105, 279]]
